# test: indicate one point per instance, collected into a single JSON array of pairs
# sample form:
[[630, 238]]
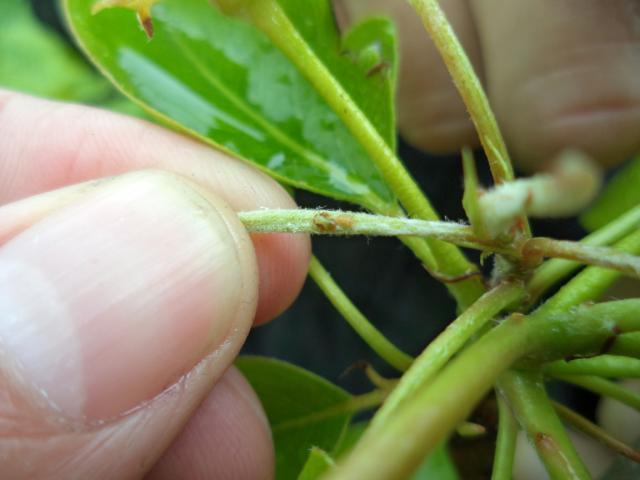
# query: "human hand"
[[558, 73], [113, 292]]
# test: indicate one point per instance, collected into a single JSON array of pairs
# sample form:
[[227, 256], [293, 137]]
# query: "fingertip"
[[139, 280]]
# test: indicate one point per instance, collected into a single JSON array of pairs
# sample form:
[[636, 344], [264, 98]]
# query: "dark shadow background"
[[382, 278]]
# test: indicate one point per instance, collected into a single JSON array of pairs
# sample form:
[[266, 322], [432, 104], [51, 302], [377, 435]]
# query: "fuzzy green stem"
[[468, 85], [447, 344], [591, 282], [589, 428], [505, 443], [337, 222], [600, 256], [528, 399], [372, 336], [608, 366], [605, 388], [553, 271], [445, 260]]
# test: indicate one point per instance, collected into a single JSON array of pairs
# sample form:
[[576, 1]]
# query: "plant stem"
[[372, 336], [591, 327], [443, 259], [601, 256], [432, 412], [608, 366], [528, 399], [605, 388], [447, 344], [337, 222], [594, 431], [505, 443], [468, 85], [553, 271], [590, 283], [437, 407]]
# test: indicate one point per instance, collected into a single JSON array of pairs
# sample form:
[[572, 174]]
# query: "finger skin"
[[101, 363], [563, 74], [431, 114], [129, 447], [227, 439], [46, 145]]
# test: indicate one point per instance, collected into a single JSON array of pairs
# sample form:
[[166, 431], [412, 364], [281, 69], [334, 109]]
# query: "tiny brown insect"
[[345, 221], [323, 222]]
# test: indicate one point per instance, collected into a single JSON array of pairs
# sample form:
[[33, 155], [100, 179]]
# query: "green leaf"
[[365, 61], [222, 81], [304, 410], [438, 465], [317, 463], [620, 195]]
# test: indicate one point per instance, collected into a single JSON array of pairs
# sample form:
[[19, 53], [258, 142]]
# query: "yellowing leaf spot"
[[141, 7]]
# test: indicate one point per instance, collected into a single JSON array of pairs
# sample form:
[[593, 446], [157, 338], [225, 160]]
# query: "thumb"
[[105, 303]]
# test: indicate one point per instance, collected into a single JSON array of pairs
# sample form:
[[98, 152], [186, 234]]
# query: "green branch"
[[437, 407], [552, 271], [434, 411], [605, 257], [468, 85], [605, 388], [589, 428], [447, 344], [591, 283], [529, 401], [372, 336], [607, 366], [505, 443]]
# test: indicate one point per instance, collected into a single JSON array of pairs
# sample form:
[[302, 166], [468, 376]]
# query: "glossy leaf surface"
[[303, 409], [221, 80], [364, 61]]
